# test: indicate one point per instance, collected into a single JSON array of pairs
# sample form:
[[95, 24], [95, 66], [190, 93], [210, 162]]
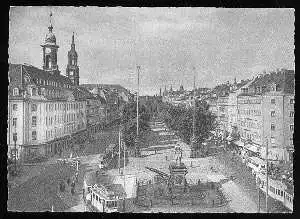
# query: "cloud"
[[167, 42]]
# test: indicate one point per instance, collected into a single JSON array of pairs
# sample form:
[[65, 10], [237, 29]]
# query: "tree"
[[180, 119], [128, 122]]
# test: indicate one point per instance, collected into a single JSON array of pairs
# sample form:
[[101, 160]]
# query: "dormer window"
[[33, 91], [16, 91]]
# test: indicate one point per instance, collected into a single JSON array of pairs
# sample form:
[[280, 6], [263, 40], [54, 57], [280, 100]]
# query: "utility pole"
[[258, 194], [119, 161], [267, 178], [137, 111], [15, 142], [194, 112], [124, 152]]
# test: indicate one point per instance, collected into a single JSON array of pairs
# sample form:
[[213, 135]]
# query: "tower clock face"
[[48, 50]]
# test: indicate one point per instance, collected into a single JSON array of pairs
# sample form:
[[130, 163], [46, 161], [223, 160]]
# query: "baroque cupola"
[[50, 51]]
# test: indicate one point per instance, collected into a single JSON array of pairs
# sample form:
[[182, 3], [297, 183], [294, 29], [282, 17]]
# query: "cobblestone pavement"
[[37, 188]]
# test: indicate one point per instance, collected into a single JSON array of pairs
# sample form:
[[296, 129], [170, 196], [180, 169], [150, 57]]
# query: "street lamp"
[[15, 150]]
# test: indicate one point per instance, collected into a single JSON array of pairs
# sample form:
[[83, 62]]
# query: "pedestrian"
[[68, 181], [76, 176], [73, 188]]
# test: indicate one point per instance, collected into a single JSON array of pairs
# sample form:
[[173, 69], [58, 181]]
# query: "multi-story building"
[[96, 110], [45, 109], [265, 114], [232, 104], [222, 114]]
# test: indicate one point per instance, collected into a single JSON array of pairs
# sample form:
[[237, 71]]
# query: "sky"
[[170, 44]]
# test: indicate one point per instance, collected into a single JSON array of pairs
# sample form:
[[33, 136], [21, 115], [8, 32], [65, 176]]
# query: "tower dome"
[[50, 37]]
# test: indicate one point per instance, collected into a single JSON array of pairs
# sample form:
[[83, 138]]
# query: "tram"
[[277, 190], [102, 199]]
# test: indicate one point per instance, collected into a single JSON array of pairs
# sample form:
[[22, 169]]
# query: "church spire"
[[50, 23], [72, 70], [73, 43]]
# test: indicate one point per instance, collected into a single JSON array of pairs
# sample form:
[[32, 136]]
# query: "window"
[[15, 107], [272, 127], [33, 123], [272, 113], [292, 127], [273, 141], [291, 113], [14, 123], [16, 91], [273, 101], [33, 91], [292, 101], [33, 135], [33, 107]]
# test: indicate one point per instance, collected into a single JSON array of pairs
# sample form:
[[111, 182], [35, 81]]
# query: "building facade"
[[46, 112], [266, 115]]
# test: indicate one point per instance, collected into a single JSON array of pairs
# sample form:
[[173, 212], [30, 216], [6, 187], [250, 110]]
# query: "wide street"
[[40, 184], [37, 189], [206, 169]]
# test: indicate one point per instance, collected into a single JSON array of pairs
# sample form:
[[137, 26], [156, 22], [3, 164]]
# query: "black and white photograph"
[[150, 109]]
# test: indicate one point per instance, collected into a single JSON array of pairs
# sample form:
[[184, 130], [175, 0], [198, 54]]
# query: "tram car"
[[105, 199], [278, 190], [100, 193]]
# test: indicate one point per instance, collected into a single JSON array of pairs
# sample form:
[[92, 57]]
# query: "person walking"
[[73, 187]]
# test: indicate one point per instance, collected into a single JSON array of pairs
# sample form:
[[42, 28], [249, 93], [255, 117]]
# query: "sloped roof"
[[284, 79], [35, 72]]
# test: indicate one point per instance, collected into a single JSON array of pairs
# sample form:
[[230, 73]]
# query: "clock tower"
[[50, 52], [72, 70]]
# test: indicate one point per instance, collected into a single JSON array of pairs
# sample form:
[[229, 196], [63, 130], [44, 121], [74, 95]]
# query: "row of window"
[[50, 83], [279, 192], [258, 101], [249, 124], [55, 106], [249, 101], [251, 112], [63, 106], [61, 131], [61, 118]]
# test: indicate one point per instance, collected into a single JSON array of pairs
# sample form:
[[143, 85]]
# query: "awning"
[[252, 148], [239, 143]]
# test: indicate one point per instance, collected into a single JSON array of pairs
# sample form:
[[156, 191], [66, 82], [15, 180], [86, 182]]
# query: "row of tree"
[[180, 119], [129, 123]]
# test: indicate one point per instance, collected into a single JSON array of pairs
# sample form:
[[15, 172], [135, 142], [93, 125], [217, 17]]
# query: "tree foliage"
[[128, 121], [180, 119]]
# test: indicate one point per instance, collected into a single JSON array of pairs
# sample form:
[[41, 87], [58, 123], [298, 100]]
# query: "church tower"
[[50, 52], [72, 70]]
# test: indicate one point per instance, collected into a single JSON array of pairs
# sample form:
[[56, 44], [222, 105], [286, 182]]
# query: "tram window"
[[111, 204], [281, 193]]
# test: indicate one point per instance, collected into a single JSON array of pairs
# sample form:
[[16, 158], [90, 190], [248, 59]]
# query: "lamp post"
[[15, 150], [267, 178]]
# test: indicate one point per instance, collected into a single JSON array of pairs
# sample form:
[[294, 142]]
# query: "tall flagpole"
[[137, 108], [119, 161], [124, 152], [267, 177], [194, 112]]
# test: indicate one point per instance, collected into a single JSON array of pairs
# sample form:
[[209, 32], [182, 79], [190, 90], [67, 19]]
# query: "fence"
[[156, 192]]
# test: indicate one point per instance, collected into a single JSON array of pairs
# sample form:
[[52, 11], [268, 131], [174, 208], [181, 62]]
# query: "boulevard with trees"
[[180, 119]]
